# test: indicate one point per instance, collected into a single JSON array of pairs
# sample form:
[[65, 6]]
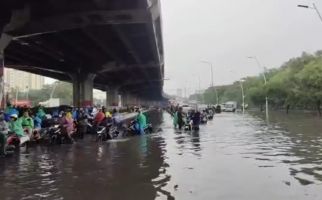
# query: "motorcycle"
[[14, 142], [190, 126], [101, 134], [204, 119], [52, 134], [108, 132], [132, 130], [113, 130]]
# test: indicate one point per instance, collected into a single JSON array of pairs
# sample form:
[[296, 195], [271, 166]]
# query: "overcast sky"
[[227, 31]]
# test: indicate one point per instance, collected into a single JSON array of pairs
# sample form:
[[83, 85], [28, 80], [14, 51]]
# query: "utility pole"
[[212, 79], [265, 82], [243, 95]]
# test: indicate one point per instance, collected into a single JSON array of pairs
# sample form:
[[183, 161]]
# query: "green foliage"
[[209, 96], [297, 82]]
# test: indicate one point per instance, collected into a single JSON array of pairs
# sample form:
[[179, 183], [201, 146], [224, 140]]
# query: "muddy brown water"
[[233, 157]]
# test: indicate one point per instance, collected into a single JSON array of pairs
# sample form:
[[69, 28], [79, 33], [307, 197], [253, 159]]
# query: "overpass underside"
[[112, 45]]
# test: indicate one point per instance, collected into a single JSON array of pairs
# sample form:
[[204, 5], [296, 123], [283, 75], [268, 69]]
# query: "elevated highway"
[[113, 45]]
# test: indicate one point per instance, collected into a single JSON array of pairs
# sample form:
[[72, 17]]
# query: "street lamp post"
[[265, 81], [17, 93], [243, 94], [212, 78], [242, 91], [312, 7], [53, 90], [27, 93]]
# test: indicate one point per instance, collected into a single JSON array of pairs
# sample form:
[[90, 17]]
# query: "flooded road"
[[233, 157]]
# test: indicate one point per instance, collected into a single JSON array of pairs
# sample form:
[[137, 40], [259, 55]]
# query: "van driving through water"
[[230, 106]]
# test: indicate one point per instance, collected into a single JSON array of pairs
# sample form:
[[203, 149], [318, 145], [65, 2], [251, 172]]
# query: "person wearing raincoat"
[[175, 119], [27, 123], [141, 122], [3, 134], [178, 118], [15, 125], [41, 113], [10, 110]]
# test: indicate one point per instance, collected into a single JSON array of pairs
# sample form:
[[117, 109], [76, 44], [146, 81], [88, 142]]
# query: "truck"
[[53, 102], [230, 106]]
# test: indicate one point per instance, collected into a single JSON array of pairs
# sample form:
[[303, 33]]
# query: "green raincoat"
[[16, 127], [27, 122], [141, 119], [175, 119]]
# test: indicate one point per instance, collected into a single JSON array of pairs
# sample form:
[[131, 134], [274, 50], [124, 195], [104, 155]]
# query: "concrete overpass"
[[113, 45]]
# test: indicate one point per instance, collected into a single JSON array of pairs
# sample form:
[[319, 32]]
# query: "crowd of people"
[[26, 124], [191, 119]]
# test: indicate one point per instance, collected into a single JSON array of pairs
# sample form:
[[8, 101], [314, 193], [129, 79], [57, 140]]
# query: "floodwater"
[[234, 157]]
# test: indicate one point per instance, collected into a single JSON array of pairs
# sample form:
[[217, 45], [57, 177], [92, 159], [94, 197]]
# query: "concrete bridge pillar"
[[133, 100], [2, 92], [112, 97], [4, 42], [124, 97], [83, 85]]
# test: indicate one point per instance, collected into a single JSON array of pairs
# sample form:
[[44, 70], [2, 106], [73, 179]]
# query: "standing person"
[[82, 124], [141, 122], [175, 119], [180, 118], [196, 119], [3, 134], [287, 108]]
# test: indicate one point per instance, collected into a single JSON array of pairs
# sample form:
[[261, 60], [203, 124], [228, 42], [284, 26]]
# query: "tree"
[[297, 83]]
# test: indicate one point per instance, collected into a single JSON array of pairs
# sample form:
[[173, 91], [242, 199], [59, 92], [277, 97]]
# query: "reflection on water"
[[233, 157], [299, 144]]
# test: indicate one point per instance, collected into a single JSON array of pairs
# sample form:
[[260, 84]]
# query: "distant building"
[[179, 93], [22, 80]]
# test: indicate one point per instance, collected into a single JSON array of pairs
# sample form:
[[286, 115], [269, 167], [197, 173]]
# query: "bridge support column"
[[124, 99], [112, 97], [2, 91], [132, 100], [83, 89], [4, 42]]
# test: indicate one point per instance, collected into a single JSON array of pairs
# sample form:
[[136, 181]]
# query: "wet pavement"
[[233, 157]]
